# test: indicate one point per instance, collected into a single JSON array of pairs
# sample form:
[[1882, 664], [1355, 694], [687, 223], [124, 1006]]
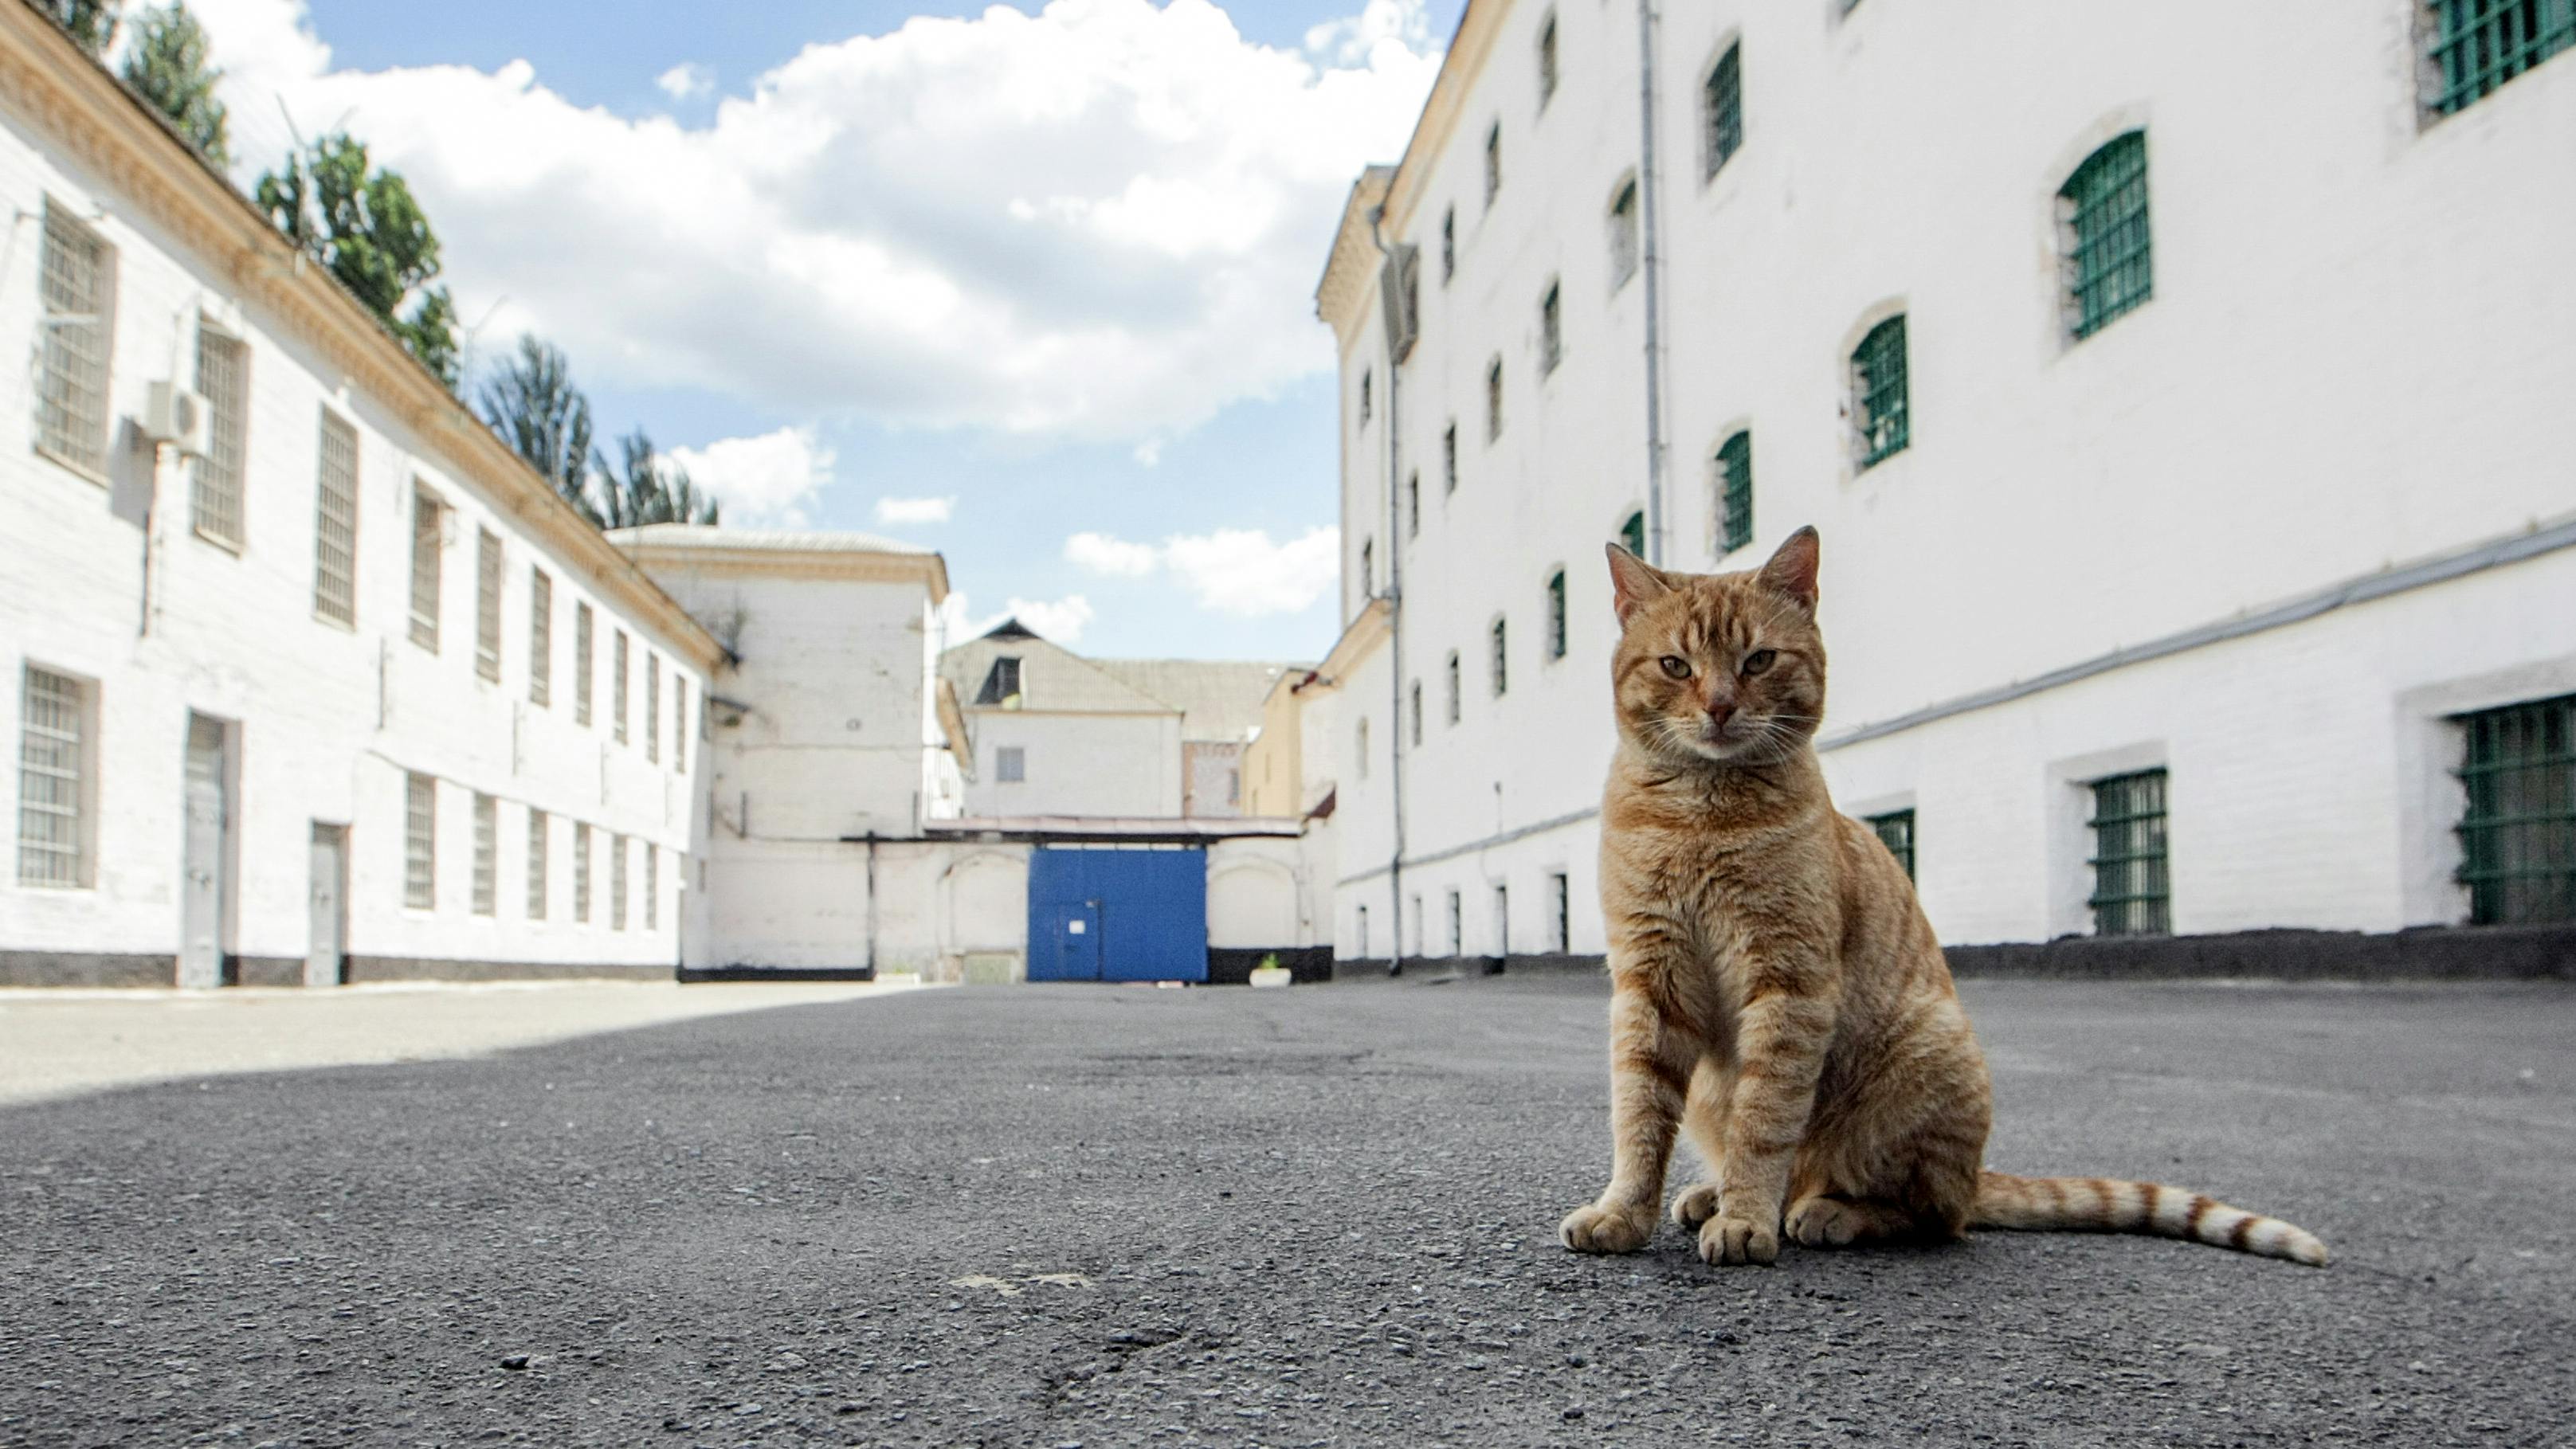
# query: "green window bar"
[[2110, 263], [1895, 830], [1878, 391], [2132, 887], [1724, 108], [1735, 492], [2518, 834], [1556, 615], [1633, 533], [2478, 45]]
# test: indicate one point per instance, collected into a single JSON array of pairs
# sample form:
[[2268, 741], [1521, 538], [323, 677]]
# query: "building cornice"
[[50, 84], [930, 570], [1361, 638]]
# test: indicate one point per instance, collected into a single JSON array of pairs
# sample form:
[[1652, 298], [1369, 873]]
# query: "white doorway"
[[327, 943], [205, 880]]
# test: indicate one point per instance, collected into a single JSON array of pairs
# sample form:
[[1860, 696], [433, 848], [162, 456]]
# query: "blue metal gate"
[[1117, 915]]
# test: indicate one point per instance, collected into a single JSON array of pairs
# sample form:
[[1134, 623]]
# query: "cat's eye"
[[1757, 661], [1676, 666]]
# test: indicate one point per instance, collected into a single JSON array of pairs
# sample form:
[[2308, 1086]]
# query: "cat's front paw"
[[1696, 1205], [1727, 1239], [1593, 1228]]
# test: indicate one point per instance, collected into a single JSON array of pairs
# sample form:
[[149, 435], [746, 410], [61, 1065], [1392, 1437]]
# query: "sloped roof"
[[776, 540], [1053, 679], [1219, 699]]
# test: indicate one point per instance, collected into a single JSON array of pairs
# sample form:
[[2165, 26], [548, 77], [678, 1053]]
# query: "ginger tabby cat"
[[1776, 990]]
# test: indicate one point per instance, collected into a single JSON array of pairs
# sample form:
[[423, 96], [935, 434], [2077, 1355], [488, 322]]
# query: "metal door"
[[327, 943], [202, 887], [1071, 950]]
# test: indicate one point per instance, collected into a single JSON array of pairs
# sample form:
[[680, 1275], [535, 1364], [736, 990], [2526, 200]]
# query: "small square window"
[[1722, 110], [2110, 259], [1881, 416], [1010, 764]]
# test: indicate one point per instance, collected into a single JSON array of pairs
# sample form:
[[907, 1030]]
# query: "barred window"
[[487, 855], [1416, 722], [1493, 163], [2102, 213], [1561, 901], [652, 707], [1546, 61], [536, 864], [1494, 400], [1556, 615], [581, 873], [581, 664], [1455, 705], [1448, 244], [541, 638], [2132, 888], [1895, 830], [1413, 505], [1457, 924], [2518, 834], [1632, 533], [616, 882], [1735, 492], [1368, 395], [420, 842], [2474, 46], [55, 778], [679, 722], [1623, 234], [215, 487], [1722, 111], [1449, 458], [617, 688], [652, 887], [1551, 331], [335, 523], [487, 604], [1880, 417], [78, 271], [426, 524], [1501, 659]]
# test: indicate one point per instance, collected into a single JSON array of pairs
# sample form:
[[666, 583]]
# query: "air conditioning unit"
[[181, 418]]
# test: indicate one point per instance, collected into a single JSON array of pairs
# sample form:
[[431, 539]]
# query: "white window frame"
[[541, 638], [428, 562], [57, 779], [537, 842], [487, 604], [420, 842], [487, 855], [583, 670], [215, 480], [76, 352], [335, 521]]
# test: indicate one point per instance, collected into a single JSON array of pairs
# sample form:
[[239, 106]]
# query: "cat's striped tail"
[[2109, 1205]]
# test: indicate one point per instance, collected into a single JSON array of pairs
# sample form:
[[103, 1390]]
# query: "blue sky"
[[1051, 269]]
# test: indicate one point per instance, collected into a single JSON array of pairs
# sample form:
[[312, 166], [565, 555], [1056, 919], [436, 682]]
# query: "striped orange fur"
[[1777, 994]]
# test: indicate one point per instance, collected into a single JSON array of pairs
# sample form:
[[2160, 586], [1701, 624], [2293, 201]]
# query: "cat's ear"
[[1792, 569], [1634, 582]]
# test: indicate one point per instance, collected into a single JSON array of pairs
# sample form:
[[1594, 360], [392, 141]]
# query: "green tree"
[[649, 490], [366, 227], [167, 66], [91, 22], [532, 403]]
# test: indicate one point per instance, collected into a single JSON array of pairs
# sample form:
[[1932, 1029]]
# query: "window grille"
[[79, 288], [1454, 704], [1501, 654], [335, 523], [1561, 897], [1494, 400], [1449, 459], [1895, 830], [487, 855], [1010, 764], [215, 488], [1493, 163], [1413, 505], [581, 668], [2518, 834], [541, 638], [1722, 110], [487, 604], [1448, 244], [536, 864], [1457, 924], [1551, 331], [1632, 533], [1623, 236], [679, 722], [1556, 615], [1417, 713], [1367, 393], [1546, 62], [616, 882], [652, 887], [2110, 259], [617, 687], [581, 873], [1368, 568], [652, 707], [425, 544], [1735, 492], [53, 780], [2475, 46], [2132, 888], [420, 843], [1879, 410]]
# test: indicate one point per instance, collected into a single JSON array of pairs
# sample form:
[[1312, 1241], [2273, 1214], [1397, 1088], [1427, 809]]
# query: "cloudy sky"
[[1029, 284]]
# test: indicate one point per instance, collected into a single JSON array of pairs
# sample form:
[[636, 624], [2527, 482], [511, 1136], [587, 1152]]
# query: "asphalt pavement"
[[1322, 1216]]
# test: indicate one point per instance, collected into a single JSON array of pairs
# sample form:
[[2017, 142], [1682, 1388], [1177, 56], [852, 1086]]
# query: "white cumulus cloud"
[[764, 479], [685, 80], [1102, 554], [1100, 221], [915, 510], [1058, 621], [1231, 570]]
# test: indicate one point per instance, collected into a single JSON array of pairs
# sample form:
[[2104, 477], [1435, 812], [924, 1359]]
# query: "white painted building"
[[329, 687], [2181, 426]]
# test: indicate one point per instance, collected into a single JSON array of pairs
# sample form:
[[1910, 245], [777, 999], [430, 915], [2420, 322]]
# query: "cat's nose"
[[1719, 710]]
